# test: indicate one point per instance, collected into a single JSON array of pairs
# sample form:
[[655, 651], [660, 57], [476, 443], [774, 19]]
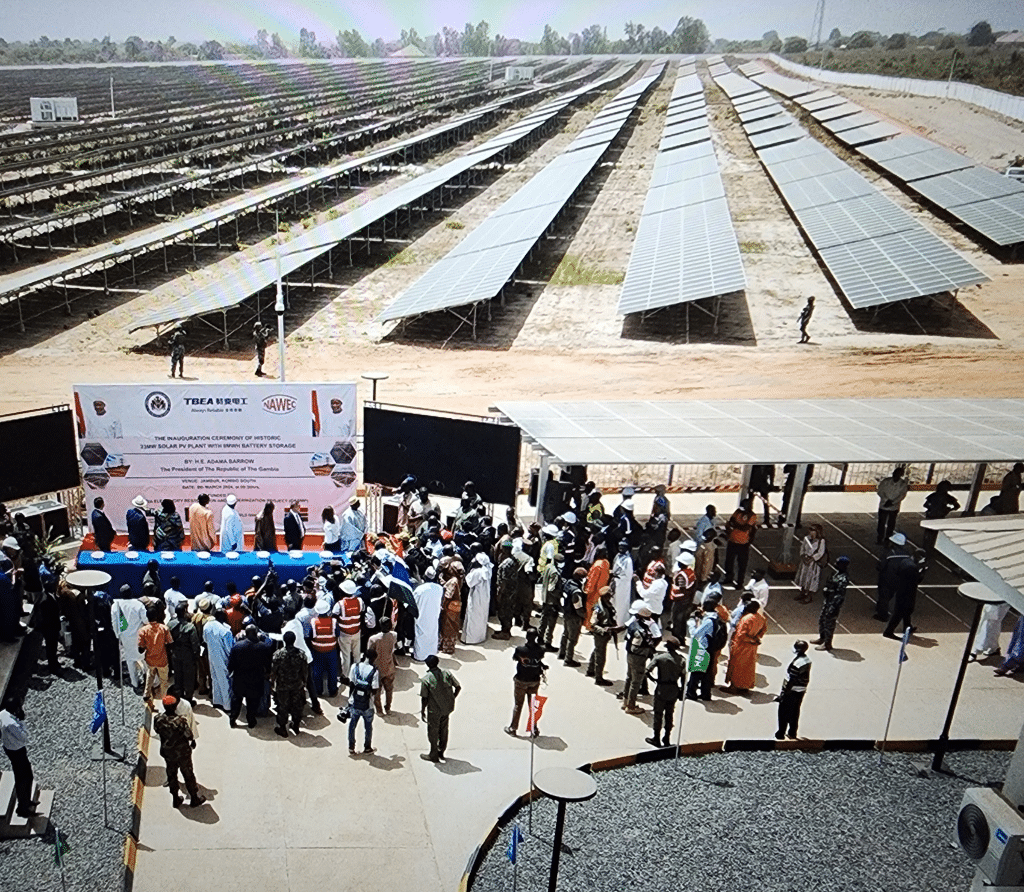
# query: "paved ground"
[[294, 814]]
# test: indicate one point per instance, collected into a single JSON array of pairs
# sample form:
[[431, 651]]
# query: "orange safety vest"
[[690, 580], [349, 617], [323, 634]]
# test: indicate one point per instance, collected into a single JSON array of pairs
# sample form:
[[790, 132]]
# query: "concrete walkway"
[[301, 813]]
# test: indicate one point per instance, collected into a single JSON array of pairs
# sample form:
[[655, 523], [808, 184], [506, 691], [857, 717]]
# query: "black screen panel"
[[441, 453], [39, 455]]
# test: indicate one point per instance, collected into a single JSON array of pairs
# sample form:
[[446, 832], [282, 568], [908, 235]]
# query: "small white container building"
[[514, 73], [54, 110]]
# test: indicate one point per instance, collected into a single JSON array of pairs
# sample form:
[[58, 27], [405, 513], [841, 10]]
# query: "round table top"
[[87, 578], [976, 591], [375, 376], [565, 784]]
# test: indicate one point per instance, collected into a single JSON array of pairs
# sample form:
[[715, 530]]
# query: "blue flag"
[[99, 712], [903, 645], [513, 843]]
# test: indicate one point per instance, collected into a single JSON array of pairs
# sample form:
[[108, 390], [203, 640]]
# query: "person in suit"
[[102, 528], [294, 528], [137, 519]]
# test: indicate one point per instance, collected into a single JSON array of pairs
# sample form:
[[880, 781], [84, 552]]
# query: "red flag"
[[316, 414], [536, 708]]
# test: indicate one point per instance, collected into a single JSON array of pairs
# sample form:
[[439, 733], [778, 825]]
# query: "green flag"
[[122, 621], [700, 659], [60, 848]]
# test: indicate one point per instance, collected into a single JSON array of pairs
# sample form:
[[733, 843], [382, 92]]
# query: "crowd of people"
[[650, 586]]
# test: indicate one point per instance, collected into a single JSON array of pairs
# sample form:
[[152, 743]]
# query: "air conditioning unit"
[[991, 831]]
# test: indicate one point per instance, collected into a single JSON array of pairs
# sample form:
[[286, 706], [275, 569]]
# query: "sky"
[[239, 20]]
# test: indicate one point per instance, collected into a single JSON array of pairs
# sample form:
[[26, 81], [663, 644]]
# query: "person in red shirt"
[[154, 641]]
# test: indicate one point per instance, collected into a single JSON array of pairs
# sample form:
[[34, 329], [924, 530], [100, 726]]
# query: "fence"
[[1001, 103]]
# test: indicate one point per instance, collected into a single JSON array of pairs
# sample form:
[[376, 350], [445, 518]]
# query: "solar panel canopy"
[[772, 431]]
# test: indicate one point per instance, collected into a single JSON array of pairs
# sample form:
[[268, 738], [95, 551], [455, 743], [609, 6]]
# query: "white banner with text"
[[262, 442]]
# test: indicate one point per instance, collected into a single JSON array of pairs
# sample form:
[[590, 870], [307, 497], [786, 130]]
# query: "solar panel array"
[[743, 432], [482, 263], [875, 251], [685, 247], [239, 284], [988, 202]]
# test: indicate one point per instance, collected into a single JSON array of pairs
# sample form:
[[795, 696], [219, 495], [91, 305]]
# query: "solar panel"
[[901, 146], [819, 99], [746, 115], [860, 136], [483, 262], [929, 163], [775, 137], [799, 149], [735, 85], [781, 119], [1000, 220], [671, 129], [679, 140], [754, 100], [849, 122], [965, 186], [835, 111], [769, 431], [749, 69], [787, 86], [686, 192], [687, 114], [854, 220], [682, 255], [896, 267], [816, 165], [826, 189]]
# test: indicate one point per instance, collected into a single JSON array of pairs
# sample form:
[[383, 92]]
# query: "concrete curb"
[[720, 746], [131, 839]]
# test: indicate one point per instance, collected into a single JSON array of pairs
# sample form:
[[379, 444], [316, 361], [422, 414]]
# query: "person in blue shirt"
[[706, 522]]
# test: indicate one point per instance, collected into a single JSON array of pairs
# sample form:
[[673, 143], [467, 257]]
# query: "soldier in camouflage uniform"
[[551, 592], [259, 335], [288, 673], [176, 745], [507, 590], [178, 352]]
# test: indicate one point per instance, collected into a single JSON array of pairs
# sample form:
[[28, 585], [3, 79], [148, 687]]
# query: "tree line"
[[690, 35]]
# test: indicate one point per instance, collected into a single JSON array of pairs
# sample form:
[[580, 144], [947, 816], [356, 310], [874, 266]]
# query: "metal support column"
[[972, 499], [542, 486]]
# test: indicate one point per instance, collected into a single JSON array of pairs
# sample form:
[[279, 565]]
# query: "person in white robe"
[[232, 533], [622, 583], [986, 640], [127, 617], [428, 623], [474, 628], [219, 641]]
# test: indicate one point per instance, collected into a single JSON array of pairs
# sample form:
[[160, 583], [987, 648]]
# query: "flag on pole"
[[903, 645], [536, 708], [700, 658], [60, 848], [513, 844], [122, 620], [99, 712]]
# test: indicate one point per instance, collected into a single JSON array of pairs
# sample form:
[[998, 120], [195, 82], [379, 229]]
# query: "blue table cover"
[[192, 572]]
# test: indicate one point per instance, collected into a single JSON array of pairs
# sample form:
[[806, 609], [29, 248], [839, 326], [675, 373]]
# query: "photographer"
[[530, 668]]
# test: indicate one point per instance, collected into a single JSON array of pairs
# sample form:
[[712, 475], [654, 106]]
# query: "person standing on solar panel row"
[[178, 351], [805, 320], [259, 336]]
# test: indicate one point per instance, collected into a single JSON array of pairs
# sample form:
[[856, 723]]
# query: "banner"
[[700, 659], [262, 442]]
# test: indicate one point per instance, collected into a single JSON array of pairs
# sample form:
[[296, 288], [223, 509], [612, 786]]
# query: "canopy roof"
[[991, 549], [773, 431]]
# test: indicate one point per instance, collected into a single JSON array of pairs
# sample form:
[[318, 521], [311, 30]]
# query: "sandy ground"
[[558, 334]]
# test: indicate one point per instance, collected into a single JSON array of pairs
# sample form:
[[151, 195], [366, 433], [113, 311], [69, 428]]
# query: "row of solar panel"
[[988, 202], [239, 284], [685, 247], [876, 252], [482, 263]]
